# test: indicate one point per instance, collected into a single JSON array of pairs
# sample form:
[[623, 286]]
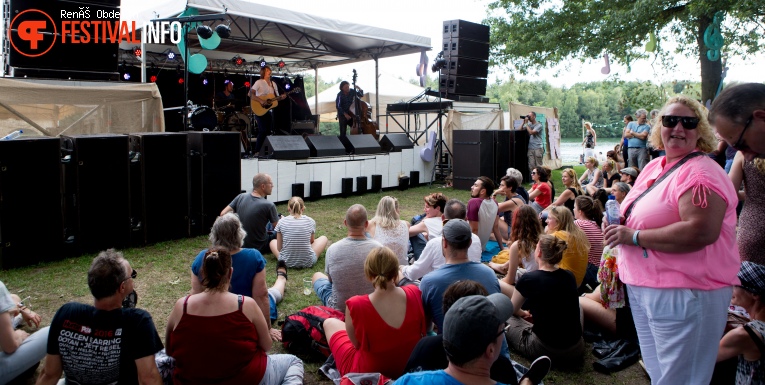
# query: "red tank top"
[[220, 349], [383, 348]]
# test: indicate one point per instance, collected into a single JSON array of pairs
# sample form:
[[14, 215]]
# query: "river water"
[[571, 148]]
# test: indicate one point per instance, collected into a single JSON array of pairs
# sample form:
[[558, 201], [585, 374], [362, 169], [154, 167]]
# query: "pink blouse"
[[713, 267]]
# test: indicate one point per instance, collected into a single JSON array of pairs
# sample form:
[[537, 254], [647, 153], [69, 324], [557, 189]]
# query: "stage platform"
[[331, 171]]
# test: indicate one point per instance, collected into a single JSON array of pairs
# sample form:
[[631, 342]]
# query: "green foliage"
[[310, 87], [531, 34]]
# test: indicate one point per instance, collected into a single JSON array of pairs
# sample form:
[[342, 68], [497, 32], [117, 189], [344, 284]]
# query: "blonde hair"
[[386, 215], [566, 223], [296, 206], [588, 125], [611, 163], [706, 142], [759, 163], [572, 174], [594, 161], [551, 249], [381, 266]]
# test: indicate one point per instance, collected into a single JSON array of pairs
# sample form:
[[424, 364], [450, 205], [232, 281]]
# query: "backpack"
[[303, 332]]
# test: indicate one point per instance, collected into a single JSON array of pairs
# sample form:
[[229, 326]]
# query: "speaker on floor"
[[324, 145], [298, 190], [376, 183], [519, 149], [414, 178], [97, 191], [363, 144], [361, 185], [315, 190], [31, 216], [504, 155], [395, 142], [162, 185], [214, 176], [285, 147], [473, 156], [347, 187]]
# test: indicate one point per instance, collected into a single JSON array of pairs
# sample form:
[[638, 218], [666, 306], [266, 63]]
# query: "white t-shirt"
[[262, 88], [432, 258], [296, 240], [435, 226]]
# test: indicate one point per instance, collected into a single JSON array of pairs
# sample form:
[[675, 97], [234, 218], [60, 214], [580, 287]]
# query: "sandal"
[[281, 265]]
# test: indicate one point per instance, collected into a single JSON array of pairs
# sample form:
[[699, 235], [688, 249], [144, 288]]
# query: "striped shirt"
[[595, 236], [296, 240]]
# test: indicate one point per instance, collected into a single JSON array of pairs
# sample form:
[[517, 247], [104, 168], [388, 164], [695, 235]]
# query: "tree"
[[539, 33]]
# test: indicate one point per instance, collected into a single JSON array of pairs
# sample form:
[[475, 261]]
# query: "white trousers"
[[679, 331]]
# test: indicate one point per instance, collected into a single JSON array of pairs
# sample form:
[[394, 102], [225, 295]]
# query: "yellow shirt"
[[573, 260]]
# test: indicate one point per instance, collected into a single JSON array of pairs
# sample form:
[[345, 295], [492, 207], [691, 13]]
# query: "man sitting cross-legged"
[[344, 266]]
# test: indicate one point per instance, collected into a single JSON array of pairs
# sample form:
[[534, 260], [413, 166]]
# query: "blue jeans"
[[323, 289], [31, 351]]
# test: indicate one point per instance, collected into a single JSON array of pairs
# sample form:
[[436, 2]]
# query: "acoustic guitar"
[[271, 102]]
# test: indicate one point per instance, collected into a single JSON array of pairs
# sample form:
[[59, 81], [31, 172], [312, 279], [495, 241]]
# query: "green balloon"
[[197, 63], [212, 43]]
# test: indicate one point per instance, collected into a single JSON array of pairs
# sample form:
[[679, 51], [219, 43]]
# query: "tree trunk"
[[711, 71]]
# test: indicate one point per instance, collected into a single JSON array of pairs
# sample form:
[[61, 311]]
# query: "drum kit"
[[225, 118]]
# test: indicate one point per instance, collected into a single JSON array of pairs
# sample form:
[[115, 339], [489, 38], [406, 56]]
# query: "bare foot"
[[498, 267]]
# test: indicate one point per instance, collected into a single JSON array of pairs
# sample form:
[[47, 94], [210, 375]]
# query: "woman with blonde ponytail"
[[551, 297], [295, 242], [380, 329]]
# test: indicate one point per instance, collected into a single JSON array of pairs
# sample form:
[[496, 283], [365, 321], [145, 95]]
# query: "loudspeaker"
[[298, 190], [466, 48], [162, 186], [414, 178], [300, 127], [315, 189], [31, 217], [504, 156], [473, 156], [520, 148], [360, 144], [97, 191], [466, 30], [214, 176], [463, 85], [460, 66], [361, 185], [376, 183], [320, 145], [403, 183], [347, 187], [285, 147], [395, 142]]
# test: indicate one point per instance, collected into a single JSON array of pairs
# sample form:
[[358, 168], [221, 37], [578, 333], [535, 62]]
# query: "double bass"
[[362, 122]]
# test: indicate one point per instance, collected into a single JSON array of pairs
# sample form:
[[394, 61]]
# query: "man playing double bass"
[[344, 101]]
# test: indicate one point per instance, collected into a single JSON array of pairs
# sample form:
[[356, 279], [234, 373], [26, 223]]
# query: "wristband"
[[635, 237]]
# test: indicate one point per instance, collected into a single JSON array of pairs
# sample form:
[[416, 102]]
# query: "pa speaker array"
[[466, 51]]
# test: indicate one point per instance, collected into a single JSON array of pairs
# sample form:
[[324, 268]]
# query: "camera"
[[524, 116]]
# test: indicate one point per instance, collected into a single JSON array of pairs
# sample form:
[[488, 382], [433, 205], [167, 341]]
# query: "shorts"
[[274, 297], [323, 289]]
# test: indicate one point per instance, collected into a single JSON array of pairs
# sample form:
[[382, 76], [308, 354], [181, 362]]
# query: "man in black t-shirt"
[[104, 343]]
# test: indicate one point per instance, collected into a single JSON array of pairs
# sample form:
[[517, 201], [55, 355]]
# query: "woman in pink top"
[[678, 253]]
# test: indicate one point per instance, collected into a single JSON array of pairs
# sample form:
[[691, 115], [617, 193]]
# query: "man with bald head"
[[738, 115], [344, 265]]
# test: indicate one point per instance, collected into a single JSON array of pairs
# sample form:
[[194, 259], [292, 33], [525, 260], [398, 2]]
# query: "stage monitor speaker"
[[160, 194], [214, 176], [460, 66], [466, 30], [395, 142], [361, 185], [414, 178], [465, 48], [363, 144], [285, 147], [298, 190], [463, 85], [31, 216], [300, 127], [403, 183], [347, 187], [97, 191], [473, 156], [376, 183], [315, 190], [324, 145]]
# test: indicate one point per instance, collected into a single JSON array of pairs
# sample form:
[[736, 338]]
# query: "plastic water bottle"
[[12, 135], [612, 211]]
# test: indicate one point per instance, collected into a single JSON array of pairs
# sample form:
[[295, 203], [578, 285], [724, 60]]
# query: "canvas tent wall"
[[472, 116], [551, 139], [52, 108]]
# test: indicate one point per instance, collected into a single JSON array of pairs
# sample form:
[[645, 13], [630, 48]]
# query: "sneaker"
[[538, 370]]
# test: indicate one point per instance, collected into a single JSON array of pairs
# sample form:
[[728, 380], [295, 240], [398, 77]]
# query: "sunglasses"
[[504, 330], [689, 122], [740, 145], [132, 275], [533, 173]]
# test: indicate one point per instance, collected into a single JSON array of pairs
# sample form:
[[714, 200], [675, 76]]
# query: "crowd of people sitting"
[[420, 305]]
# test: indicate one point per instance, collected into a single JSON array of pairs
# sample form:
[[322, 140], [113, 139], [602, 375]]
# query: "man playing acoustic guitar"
[[265, 92]]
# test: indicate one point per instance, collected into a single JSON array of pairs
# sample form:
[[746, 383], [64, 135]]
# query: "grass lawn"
[[164, 272]]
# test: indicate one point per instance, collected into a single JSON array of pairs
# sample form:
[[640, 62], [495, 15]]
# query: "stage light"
[[204, 82], [126, 76], [223, 31], [439, 62], [204, 32], [171, 55], [247, 84], [137, 52], [238, 61], [281, 64], [153, 78], [180, 80], [263, 63]]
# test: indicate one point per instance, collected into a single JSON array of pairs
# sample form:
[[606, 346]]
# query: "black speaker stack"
[[466, 51], [488, 153]]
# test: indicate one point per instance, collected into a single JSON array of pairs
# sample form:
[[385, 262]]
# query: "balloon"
[[212, 43], [197, 63]]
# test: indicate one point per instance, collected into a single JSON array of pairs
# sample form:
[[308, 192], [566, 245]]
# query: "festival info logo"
[[32, 33]]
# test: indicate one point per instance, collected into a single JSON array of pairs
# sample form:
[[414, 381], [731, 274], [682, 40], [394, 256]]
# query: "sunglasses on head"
[[689, 122]]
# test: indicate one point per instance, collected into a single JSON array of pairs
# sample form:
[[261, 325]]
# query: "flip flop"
[[280, 265]]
